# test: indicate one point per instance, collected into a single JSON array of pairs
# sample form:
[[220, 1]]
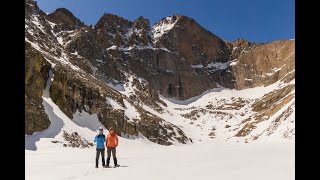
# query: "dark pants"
[[113, 151], [98, 154]]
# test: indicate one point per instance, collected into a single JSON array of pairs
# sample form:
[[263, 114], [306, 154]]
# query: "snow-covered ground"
[[144, 160]]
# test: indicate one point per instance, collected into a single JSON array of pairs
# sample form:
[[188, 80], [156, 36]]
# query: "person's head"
[[100, 130], [111, 131]]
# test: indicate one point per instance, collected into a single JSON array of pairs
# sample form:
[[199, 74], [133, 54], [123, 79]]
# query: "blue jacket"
[[100, 139]]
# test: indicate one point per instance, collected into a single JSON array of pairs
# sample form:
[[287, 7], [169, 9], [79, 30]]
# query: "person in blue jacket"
[[100, 140]]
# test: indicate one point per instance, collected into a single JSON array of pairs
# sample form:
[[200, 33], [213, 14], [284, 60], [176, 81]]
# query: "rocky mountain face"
[[257, 64], [36, 75], [64, 20], [117, 66]]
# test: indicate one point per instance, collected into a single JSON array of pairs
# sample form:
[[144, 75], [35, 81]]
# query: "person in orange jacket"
[[111, 143]]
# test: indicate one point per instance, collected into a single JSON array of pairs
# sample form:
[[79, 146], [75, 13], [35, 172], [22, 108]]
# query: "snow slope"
[[215, 120]]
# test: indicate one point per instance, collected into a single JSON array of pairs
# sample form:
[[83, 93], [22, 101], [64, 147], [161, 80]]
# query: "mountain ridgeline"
[[118, 66]]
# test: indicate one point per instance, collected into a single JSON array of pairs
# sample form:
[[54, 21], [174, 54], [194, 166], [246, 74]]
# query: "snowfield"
[[141, 159]]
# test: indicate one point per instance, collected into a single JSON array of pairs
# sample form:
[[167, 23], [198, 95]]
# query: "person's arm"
[[95, 139], [106, 140]]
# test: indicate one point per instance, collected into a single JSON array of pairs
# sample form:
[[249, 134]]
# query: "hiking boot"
[[108, 161], [115, 162]]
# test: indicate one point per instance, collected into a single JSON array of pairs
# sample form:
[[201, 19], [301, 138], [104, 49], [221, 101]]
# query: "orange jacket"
[[112, 140]]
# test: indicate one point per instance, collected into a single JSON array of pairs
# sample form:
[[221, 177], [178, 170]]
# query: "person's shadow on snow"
[[53, 130]]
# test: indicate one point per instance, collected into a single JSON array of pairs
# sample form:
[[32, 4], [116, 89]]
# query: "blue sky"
[[254, 20]]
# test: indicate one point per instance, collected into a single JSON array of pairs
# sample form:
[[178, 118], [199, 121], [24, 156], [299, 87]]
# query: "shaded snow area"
[[216, 65], [198, 66], [127, 49]]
